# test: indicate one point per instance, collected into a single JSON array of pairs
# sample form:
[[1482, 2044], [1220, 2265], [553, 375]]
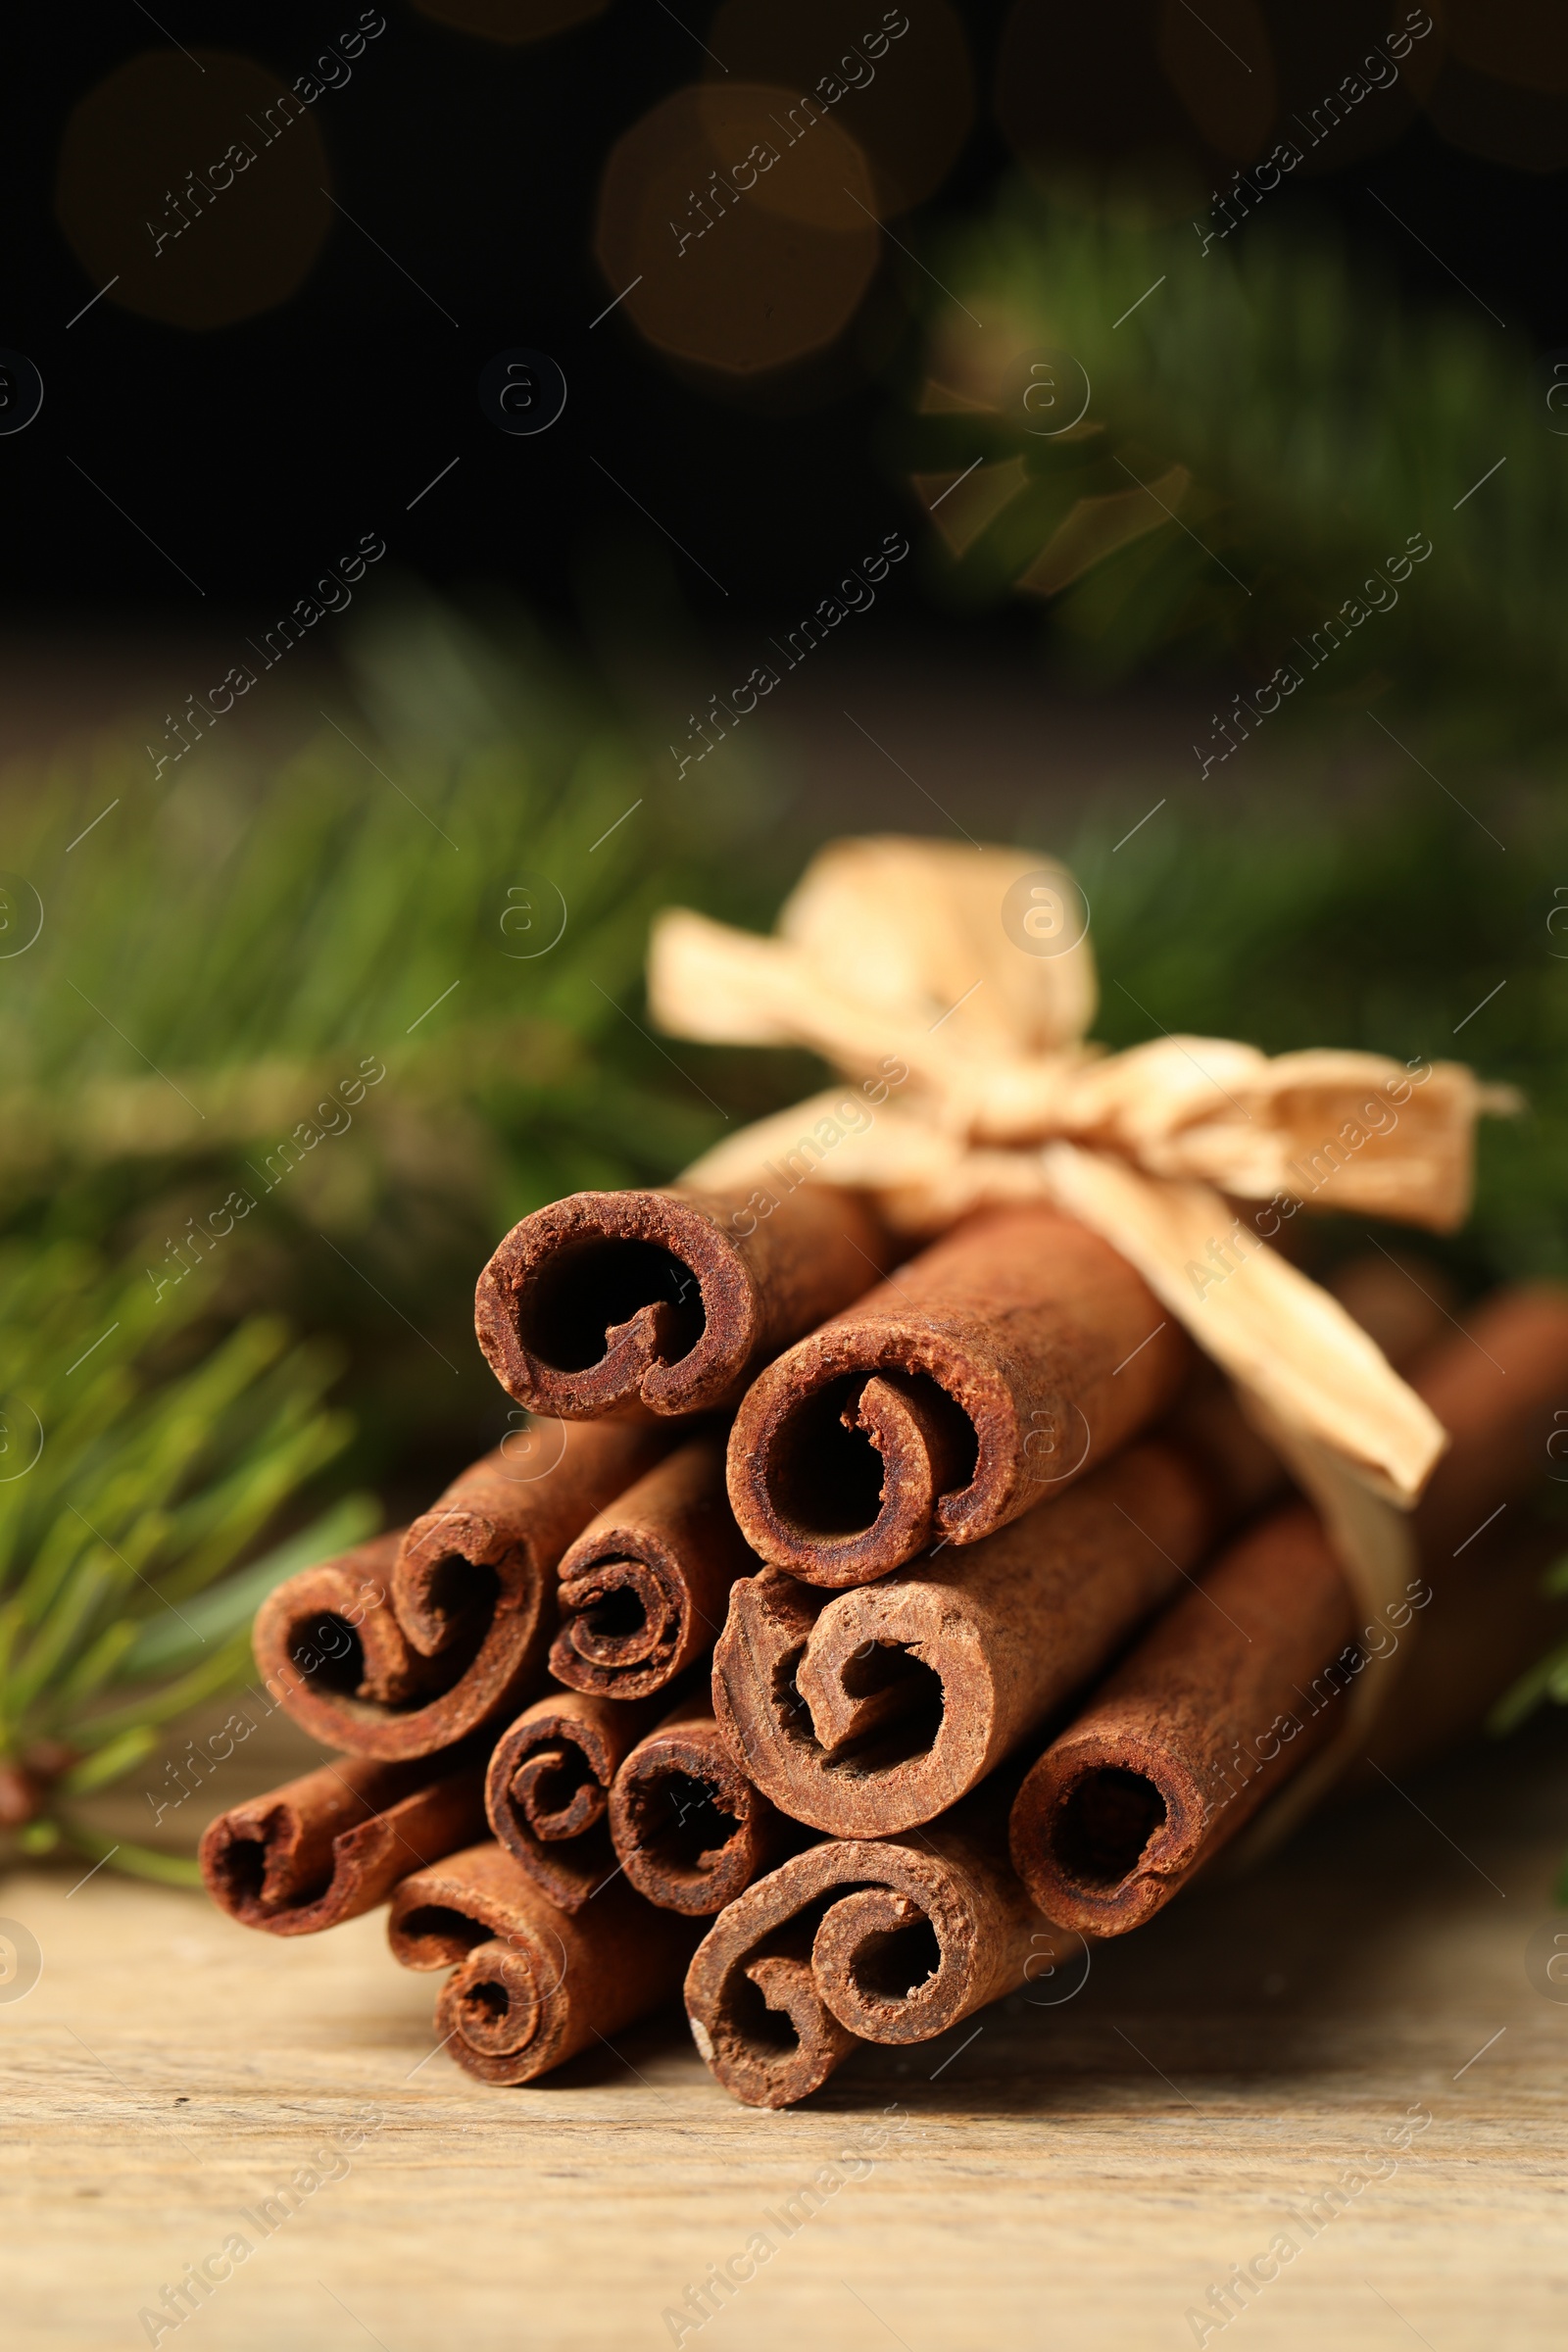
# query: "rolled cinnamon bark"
[[977, 1380], [691, 1830], [867, 1711], [1499, 1387], [335, 1843], [547, 1791], [645, 1587], [1501, 1391], [666, 1302], [1241, 1682], [796, 1972], [1184, 1741], [532, 1985], [422, 1638], [1474, 1639]]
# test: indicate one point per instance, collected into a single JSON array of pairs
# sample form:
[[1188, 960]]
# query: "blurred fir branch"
[[293, 1046], [1547, 1679], [141, 1455], [1265, 427], [329, 1030]]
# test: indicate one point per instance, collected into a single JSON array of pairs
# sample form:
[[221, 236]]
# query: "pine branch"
[[1297, 424], [132, 1484]]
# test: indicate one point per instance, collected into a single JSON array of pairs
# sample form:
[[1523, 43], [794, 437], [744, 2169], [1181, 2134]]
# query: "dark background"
[[250, 453]]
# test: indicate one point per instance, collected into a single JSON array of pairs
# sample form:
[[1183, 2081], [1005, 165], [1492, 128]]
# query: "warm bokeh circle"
[[198, 191], [736, 262]]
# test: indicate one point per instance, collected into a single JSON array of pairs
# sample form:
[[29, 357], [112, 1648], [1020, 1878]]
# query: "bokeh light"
[[736, 262], [908, 97], [200, 191]]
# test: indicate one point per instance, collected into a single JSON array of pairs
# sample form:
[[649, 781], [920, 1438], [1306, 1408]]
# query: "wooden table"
[[1053, 2177]]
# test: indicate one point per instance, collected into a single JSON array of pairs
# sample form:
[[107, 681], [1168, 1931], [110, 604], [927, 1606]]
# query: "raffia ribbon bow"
[[971, 973]]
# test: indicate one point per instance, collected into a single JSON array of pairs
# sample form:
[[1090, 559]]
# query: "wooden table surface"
[[1076, 2175]]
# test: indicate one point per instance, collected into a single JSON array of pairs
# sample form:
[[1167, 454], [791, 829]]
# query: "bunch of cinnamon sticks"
[[845, 1632]]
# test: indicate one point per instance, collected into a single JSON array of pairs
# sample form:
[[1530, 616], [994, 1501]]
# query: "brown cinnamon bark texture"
[[645, 1587], [663, 1303], [690, 1829], [1209, 1715], [1474, 1639], [977, 1380], [860, 1940], [1500, 1389], [421, 1639], [335, 1843], [867, 1711], [534, 1985], [547, 1791], [1232, 1691]]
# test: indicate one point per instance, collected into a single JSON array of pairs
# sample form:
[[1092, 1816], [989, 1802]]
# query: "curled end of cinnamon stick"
[[334, 1844], [645, 1585], [979, 1380], [547, 1791], [491, 2005], [854, 1939], [837, 1710], [690, 1829], [408, 1645], [327, 1642], [532, 1985], [607, 1301], [663, 1302], [1103, 1828], [859, 1447]]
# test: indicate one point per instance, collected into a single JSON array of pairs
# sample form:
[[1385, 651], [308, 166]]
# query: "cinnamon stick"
[[861, 1940], [1001, 1362], [335, 1843], [645, 1587], [1473, 1641], [533, 1985], [1211, 1713], [1243, 1679], [422, 1638], [1499, 1387], [1501, 1391], [690, 1829], [666, 1302], [867, 1712], [547, 1791]]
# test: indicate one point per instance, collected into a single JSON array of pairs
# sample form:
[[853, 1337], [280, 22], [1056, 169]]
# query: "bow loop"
[[909, 930], [964, 979]]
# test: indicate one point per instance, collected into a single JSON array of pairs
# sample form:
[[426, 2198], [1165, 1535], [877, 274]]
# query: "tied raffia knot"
[[955, 988]]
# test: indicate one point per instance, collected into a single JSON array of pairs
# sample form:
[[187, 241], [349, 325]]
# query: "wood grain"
[[1071, 2176]]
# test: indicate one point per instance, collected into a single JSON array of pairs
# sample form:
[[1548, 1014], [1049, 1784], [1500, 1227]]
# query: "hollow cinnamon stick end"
[[1103, 1829], [690, 1829], [547, 1793], [760, 2026], [493, 2015], [328, 1645], [239, 1851], [618, 1305]]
